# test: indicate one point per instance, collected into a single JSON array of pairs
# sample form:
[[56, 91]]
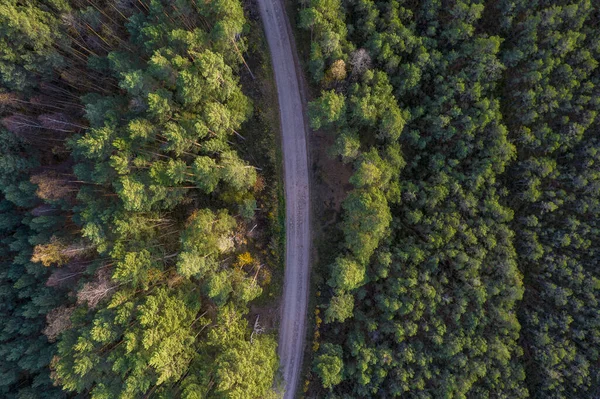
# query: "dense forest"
[[140, 202], [468, 266], [136, 204]]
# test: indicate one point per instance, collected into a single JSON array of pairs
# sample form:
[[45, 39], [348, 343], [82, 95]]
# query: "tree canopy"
[[126, 199], [466, 265]]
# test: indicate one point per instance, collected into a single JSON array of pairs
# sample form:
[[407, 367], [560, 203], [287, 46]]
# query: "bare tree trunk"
[[258, 329], [243, 59]]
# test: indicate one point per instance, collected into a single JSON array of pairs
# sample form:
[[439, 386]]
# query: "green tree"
[[206, 237], [329, 365], [346, 274], [326, 110], [367, 216], [29, 36], [340, 308]]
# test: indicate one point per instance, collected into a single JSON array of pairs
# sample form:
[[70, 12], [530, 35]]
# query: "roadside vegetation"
[[467, 264], [139, 202]]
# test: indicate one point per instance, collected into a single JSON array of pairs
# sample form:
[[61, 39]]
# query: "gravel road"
[[295, 162]]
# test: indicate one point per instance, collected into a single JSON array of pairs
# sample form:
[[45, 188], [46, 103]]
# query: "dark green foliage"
[[555, 186], [24, 298], [467, 267], [27, 57]]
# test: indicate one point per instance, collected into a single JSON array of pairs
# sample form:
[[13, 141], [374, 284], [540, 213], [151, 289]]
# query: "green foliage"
[[556, 167], [470, 127], [346, 274], [241, 368], [151, 340], [328, 365], [340, 308], [120, 176], [206, 237], [367, 218], [347, 145], [326, 110], [325, 19], [24, 297], [28, 39]]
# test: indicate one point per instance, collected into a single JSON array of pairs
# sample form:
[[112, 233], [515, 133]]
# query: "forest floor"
[[297, 196]]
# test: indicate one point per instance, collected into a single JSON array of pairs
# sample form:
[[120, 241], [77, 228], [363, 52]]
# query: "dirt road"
[[295, 290]]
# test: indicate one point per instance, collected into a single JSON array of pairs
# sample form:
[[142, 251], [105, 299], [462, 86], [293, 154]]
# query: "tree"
[[340, 308], [360, 62], [92, 292], [346, 274], [118, 122], [236, 172], [156, 345], [58, 320], [28, 35], [367, 216], [51, 253], [432, 204], [337, 71], [241, 368], [205, 238], [326, 110], [329, 365], [206, 173], [347, 145]]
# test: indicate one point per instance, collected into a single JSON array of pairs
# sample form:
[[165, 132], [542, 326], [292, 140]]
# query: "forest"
[[138, 202], [141, 202], [467, 265]]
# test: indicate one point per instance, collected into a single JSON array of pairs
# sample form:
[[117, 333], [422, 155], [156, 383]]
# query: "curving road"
[[295, 163]]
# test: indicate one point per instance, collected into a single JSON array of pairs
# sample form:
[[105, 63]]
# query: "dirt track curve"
[[295, 162]]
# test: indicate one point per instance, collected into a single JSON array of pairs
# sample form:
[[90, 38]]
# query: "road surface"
[[295, 164]]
